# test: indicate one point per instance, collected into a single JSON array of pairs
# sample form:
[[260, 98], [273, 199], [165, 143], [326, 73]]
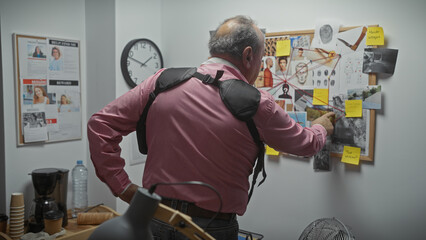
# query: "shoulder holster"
[[241, 99]]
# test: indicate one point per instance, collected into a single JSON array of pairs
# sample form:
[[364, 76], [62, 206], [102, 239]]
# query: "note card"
[[283, 48], [351, 155], [375, 36], [353, 108], [320, 96], [271, 151]]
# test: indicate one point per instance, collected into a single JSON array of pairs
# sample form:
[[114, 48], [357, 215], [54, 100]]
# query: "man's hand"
[[325, 121], [128, 194]]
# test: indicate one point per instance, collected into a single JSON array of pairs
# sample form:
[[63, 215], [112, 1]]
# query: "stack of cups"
[[17, 212]]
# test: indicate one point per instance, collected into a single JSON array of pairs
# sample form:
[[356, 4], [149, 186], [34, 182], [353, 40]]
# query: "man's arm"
[[128, 194], [283, 134], [325, 121], [105, 130]]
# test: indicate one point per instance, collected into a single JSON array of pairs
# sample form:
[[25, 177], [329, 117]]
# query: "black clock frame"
[[125, 54]]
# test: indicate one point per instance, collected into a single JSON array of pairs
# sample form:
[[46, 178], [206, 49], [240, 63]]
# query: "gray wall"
[[2, 162], [100, 56], [380, 200], [384, 199]]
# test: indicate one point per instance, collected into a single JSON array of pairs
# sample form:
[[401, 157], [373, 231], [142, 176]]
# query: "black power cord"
[[154, 186]]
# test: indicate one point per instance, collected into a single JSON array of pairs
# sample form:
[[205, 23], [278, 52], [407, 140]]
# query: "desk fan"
[[326, 229]]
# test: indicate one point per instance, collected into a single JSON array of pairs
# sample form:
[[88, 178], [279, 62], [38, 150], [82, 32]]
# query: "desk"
[[83, 232]]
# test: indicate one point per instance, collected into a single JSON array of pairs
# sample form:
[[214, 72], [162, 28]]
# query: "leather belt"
[[192, 210]]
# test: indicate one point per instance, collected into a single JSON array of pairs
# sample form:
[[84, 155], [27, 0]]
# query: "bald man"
[[192, 136]]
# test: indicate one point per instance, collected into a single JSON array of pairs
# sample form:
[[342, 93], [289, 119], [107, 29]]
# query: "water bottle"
[[79, 188]]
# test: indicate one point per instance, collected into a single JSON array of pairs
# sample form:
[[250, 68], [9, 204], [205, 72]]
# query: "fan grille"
[[326, 229]]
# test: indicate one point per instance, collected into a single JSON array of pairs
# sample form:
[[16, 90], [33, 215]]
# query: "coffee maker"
[[50, 188]]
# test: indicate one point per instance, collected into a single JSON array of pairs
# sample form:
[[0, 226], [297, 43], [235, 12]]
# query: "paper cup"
[[16, 223], [53, 221], [17, 200], [17, 233], [16, 218], [17, 228], [12, 224], [17, 211], [17, 208], [17, 214]]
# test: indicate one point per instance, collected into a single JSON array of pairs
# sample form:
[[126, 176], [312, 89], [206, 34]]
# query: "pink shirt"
[[192, 136]]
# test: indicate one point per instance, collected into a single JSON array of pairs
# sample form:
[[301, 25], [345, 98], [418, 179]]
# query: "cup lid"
[[3, 217], [53, 215]]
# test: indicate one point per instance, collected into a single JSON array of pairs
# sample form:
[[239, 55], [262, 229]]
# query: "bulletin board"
[[47, 89], [337, 68]]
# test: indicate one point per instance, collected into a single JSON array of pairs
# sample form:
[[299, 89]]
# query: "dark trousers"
[[219, 229]]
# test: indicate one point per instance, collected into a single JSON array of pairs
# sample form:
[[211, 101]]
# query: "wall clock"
[[140, 59]]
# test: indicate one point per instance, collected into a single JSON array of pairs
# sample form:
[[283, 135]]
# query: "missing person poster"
[[48, 90]]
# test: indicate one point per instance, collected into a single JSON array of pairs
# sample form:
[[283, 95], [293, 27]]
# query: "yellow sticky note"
[[375, 36], [271, 151], [353, 108], [283, 48], [351, 155], [320, 96]]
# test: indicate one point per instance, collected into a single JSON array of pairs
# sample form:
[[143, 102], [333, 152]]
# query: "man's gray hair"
[[234, 42]]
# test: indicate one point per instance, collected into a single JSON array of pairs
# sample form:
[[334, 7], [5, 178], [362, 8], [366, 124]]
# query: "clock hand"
[[137, 61], [146, 61]]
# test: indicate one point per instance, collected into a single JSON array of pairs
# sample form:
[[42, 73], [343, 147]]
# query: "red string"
[[285, 80]]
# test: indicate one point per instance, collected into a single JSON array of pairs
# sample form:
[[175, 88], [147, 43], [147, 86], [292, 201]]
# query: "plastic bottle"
[[79, 188]]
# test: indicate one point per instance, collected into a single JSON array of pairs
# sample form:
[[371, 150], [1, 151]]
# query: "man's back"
[[191, 135]]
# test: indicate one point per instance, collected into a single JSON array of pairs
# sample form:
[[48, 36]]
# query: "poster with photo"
[[48, 88]]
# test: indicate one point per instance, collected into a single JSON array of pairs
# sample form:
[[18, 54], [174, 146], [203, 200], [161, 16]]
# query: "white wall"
[[63, 19], [380, 200], [100, 58], [134, 19]]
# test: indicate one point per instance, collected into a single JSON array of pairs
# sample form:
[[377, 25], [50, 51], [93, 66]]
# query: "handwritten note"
[[320, 96], [271, 151], [353, 108], [351, 155], [375, 36], [283, 48]]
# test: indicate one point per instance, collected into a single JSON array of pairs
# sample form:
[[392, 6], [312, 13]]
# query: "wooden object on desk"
[[176, 218], [93, 218], [3, 236], [83, 232], [163, 213]]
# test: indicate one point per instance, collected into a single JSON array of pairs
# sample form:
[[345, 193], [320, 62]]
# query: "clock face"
[[140, 59]]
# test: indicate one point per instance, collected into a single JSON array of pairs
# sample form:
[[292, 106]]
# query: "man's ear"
[[247, 58]]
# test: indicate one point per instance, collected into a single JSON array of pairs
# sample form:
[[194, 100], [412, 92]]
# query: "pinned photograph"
[[379, 60], [299, 117], [269, 68], [303, 99], [322, 160], [371, 96]]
